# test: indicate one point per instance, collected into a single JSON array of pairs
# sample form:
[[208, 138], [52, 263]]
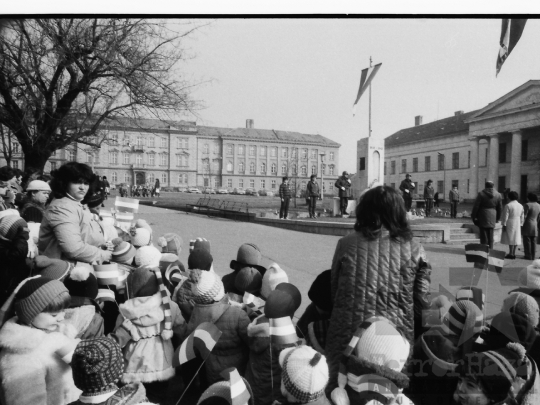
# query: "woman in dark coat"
[[377, 271]]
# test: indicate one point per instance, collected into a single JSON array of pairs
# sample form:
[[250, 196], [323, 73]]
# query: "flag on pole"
[[107, 274], [124, 204], [511, 31], [105, 294], [202, 341], [123, 220], [496, 260], [365, 80], [239, 391], [477, 253], [282, 331]]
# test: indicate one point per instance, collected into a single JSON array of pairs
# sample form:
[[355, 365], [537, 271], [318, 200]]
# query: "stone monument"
[[369, 164]]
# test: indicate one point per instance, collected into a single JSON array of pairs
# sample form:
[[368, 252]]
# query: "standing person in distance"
[[155, 191], [313, 192], [343, 184], [407, 187], [107, 187], [453, 197], [530, 226], [285, 195], [429, 193], [512, 220], [486, 212]]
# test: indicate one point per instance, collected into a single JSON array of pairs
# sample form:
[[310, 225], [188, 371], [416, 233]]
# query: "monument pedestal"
[[369, 164]]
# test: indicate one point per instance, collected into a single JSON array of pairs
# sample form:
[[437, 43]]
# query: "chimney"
[[249, 123], [417, 120], [458, 113]]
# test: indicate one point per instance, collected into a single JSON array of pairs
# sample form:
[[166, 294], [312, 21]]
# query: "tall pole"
[[369, 133]]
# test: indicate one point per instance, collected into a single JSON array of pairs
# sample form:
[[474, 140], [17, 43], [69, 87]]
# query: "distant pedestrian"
[[285, 195], [436, 200], [155, 191], [407, 187], [512, 220], [429, 194], [530, 226], [486, 212], [313, 192], [453, 197], [344, 185]]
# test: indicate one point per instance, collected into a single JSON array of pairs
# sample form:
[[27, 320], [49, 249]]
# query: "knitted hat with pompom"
[[55, 269], [170, 243], [81, 282], [208, 289], [124, 252], [522, 304], [147, 256]]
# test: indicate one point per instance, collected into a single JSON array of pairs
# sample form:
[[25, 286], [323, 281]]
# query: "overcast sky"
[[303, 74]]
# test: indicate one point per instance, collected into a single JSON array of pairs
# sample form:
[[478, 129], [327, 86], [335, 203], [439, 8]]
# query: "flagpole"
[[185, 390], [369, 133]]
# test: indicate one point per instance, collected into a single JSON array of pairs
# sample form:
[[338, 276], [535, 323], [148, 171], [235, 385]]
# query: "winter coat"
[[66, 233], [311, 314], [15, 265], [263, 368], [232, 348], [381, 277], [32, 212], [343, 182], [512, 219], [453, 195], [284, 190], [429, 193], [532, 214], [31, 371], [85, 316], [407, 187], [313, 189], [183, 296], [148, 356], [131, 394], [487, 208]]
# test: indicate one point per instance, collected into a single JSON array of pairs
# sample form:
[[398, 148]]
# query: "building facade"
[[500, 142], [182, 154]]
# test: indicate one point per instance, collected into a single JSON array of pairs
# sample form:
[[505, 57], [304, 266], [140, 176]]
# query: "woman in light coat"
[[512, 219], [66, 231], [530, 226]]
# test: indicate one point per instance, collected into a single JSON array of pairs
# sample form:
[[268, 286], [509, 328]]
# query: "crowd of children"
[[108, 331]]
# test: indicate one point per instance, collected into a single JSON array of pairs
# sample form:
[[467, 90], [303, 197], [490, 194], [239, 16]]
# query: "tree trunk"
[[36, 157]]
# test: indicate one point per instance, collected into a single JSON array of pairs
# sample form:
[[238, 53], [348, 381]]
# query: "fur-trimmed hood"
[[143, 311]]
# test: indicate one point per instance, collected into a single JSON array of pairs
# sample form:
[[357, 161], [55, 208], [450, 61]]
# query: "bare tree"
[[9, 144], [61, 79]]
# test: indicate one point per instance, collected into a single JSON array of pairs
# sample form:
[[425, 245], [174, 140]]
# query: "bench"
[[234, 206], [206, 204]]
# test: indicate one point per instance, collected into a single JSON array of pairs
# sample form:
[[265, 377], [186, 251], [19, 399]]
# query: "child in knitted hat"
[[36, 345], [212, 305], [145, 325], [124, 255], [170, 264], [304, 376], [141, 234], [248, 280], [272, 277], [55, 269], [248, 255], [524, 305], [321, 305], [84, 313], [97, 367]]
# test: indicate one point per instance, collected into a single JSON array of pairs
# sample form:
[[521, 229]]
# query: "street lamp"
[[322, 155], [444, 173]]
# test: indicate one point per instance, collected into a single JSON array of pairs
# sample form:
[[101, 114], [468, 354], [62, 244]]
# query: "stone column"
[[493, 167], [515, 162], [473, 188]]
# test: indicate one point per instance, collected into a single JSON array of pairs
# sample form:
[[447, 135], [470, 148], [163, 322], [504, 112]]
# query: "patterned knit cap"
[[524, 305], [463, 319], [209, 288], [124, 252], [97, 365], [147, 256], [140, 237], [273, 276], [52, 268], [170, 243], [304, 374], [249, 280], [10, 225], [81, 282], [35, 295]]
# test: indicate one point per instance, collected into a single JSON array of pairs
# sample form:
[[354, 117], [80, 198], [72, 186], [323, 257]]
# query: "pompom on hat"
[[249, 280], [208, 289], [170, 243], [273, 276], [248, 255], [522, 304], [147, 256], [529, 277], [81, 282], [38, 185], [124, 252], [97, 365], [304, 374], [54, 269]]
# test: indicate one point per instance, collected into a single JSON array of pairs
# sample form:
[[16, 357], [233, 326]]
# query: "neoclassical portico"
[[507, 117]]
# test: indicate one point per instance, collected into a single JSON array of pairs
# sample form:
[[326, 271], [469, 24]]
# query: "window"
[[313, 169], [440, 159], [89, 157], [294, 153], [283, 169], [138, 158], [15, 164], [403, 165], [303, 170], [251, 150], [415, 165], [215, 165], [294, 169], [241, 150], [127, 178], [486, 158], [113, 158], [114, 138], [163, 159], [303, 185], [331, 170], [139, 141], [455, 183], [126, 158], [440, 186], [304, 153], [163, 142], [469, 159], [455, 160], [274, 184], [362, 164], [252, 183], [331, 156], [151, 142], [313, 153], [164, 178], [502, 183], [230, 149], [151, 159], [427, 163], [206, 166], [178, 160], [284, 152], [206, 149], [263, 184], [252, 167], [241, 167], [502, 153], [468, 185], [151, 178], [393, 167], [53, 165], [384, 168], [229, 183], [241, 183], [273, 168], [262, 151], [263, 167], [229, 166], [114, 177], [524, 150], [273, 152], [216, 182], [71, 155], [215, 149]]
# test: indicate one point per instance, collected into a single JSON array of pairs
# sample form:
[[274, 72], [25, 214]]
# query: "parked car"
[[209, 191], [182, 189], [252, 192], [239, 191], [223, 191], [194, 190], [266, 193]]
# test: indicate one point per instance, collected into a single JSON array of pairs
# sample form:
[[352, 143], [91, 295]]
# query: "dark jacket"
[[429, 192], [313, 189], [346, 183], [32, 212], [407, 185], [15, 267], [532, 213], [284, 190], [383, 277], [487, 208], [311, 314]]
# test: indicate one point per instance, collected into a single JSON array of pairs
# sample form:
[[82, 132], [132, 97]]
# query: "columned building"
[[500, 142]]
